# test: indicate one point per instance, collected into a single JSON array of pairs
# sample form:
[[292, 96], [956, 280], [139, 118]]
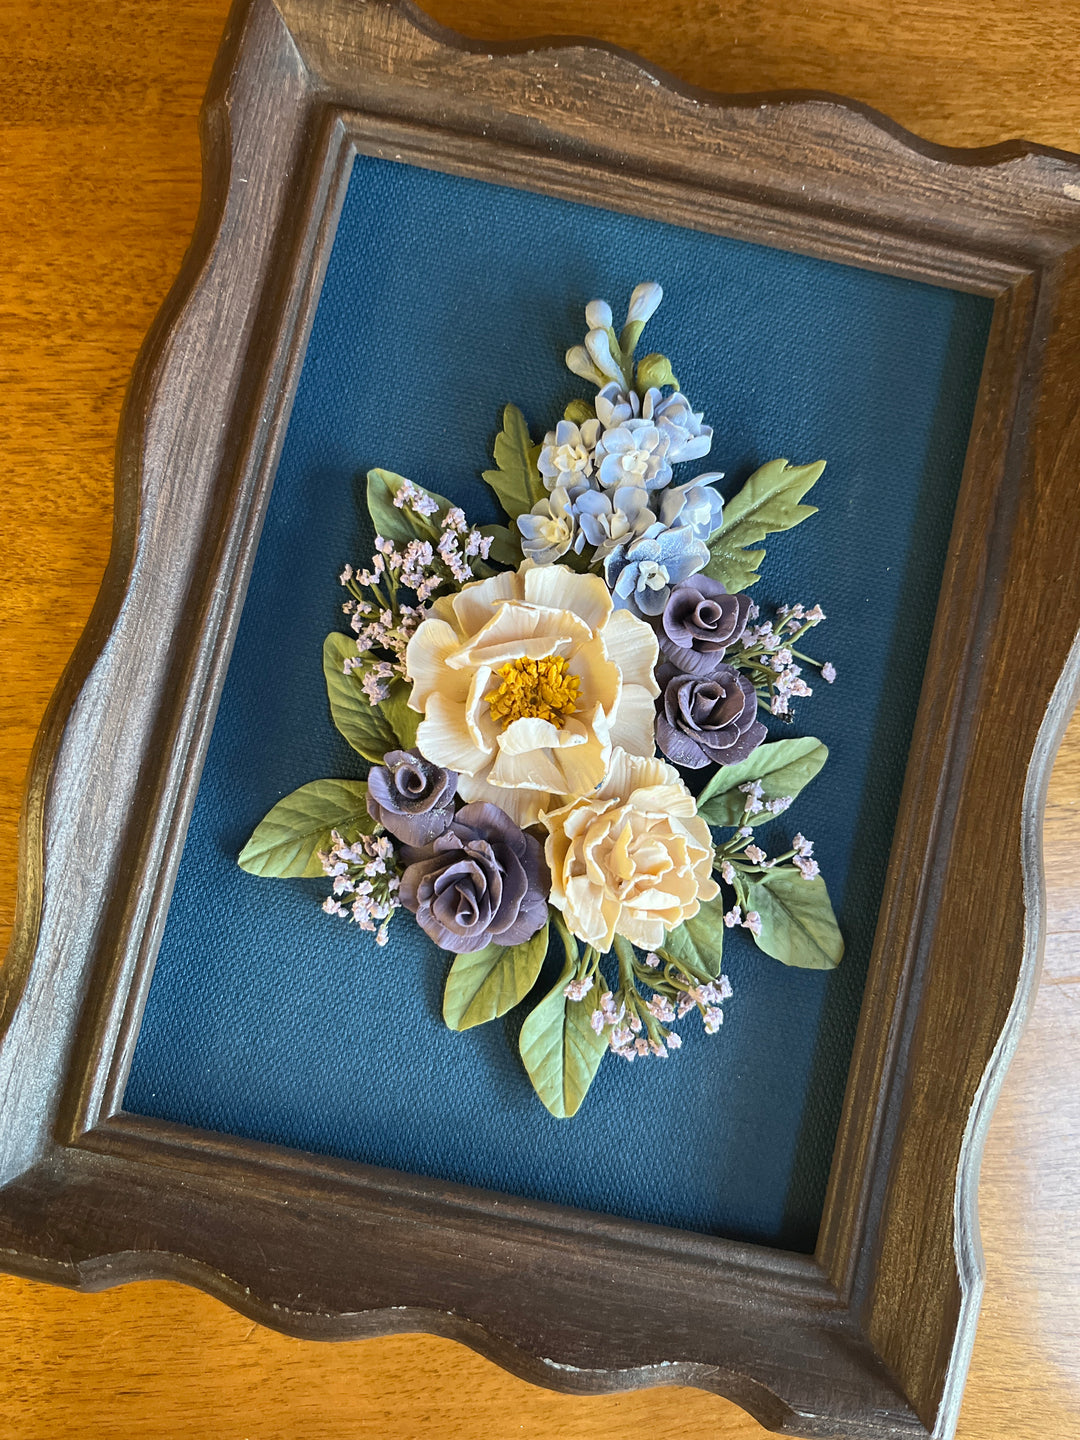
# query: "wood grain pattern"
[[45, 424]]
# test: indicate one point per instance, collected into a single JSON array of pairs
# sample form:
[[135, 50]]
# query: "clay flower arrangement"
[[511, 686]]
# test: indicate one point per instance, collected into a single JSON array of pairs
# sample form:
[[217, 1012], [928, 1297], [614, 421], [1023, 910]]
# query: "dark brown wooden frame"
[[871, 1335]]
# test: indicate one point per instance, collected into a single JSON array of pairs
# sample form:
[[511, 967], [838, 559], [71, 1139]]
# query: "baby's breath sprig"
[[381, 620], [767, 656], [638, 1026], [366, 873], [740, 860]]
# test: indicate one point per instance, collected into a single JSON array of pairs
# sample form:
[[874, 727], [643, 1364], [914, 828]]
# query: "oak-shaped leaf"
[[286, 842], [767, 503], [784, 767], [798, 926], [487, 983], [516, 480]]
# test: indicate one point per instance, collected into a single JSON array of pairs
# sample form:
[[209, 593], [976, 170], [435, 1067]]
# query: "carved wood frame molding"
[[870, 1336]]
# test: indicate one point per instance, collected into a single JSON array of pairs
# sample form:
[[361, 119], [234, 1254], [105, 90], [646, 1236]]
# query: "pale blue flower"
[[634, 453], [567, 458], [547, 531], [695, 504], [610, 518], [641, 575], [688, 438], [615, 405]]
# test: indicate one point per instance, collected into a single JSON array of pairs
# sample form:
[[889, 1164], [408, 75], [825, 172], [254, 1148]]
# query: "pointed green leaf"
[[400, 525], [364, 725], [516, 480], [768, 502], [402, 721], [798, 926], [286, 843], [698, 943], [489, 982], [506, 544], [783, 767], [560, 1049]]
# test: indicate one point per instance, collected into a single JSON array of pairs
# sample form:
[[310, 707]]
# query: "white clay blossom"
[[567, 457], [631, 858], [547, 530], [383, 630]]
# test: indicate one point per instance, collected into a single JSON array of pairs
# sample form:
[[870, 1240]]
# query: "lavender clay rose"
[[410, 797], [483, 880], [699, 622], [706, 719]]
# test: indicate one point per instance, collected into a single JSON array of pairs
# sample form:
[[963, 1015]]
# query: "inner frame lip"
[[91, 1114]]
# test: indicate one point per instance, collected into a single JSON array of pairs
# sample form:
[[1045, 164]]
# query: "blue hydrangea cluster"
[[608, 471]]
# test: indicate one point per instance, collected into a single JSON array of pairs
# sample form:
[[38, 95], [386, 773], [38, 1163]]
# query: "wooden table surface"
[[99, 183]]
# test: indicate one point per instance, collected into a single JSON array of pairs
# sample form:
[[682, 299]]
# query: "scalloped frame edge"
[[870, 1336]]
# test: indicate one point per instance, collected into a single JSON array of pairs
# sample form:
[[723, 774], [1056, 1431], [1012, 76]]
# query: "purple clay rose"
[[410, 797], [482, 881], [699, 622], [706, 719]]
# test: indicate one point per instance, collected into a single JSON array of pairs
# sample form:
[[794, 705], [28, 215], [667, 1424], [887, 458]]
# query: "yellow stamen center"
[[534, 688]]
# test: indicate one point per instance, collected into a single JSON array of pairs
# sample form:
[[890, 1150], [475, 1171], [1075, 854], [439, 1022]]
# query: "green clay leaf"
[[767, 503], [402, 721], [364, 725], [517, 482], [783, 767], [489, 982], [579, 411], [505, 546], [560, 1049], [737, 570], [798, 926], [653, 371], [698, 943], [402, 525], [286, 843]]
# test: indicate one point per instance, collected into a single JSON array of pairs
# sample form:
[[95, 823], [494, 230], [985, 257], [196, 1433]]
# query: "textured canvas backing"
[[445, 298]]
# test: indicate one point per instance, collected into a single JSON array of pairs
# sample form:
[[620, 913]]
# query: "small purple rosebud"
[[706, 719], [482, 881], [410, 797], [699, 622]]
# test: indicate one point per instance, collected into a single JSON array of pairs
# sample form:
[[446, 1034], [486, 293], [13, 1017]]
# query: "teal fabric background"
[[445, 298]]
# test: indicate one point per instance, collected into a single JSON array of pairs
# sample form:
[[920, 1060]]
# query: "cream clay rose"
[[632, 859]]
